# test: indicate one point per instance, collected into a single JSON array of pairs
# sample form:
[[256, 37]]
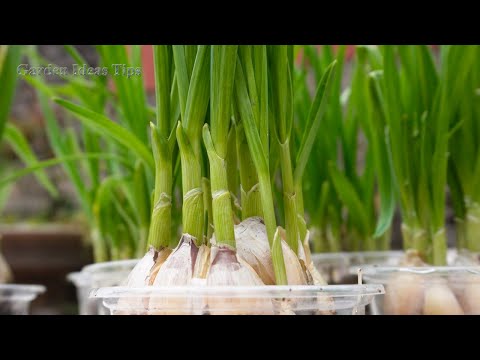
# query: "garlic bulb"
[[404, 295], [226, 269], [440, 300], [253, 247]]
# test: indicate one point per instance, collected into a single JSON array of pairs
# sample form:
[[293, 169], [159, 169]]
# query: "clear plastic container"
[[15, 299], [110, 273], [82, 283], [466, 258], [227, 300], [428, 290], [335, 267]]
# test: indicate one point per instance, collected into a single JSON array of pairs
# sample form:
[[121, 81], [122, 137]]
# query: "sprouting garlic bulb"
[[404, 295], [5, 273], [440, 300], [226, 269], [202, 264], [140, 274], [253, 247]]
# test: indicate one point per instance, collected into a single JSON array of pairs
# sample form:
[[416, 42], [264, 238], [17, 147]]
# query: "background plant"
[[350, 199], [109, 163]]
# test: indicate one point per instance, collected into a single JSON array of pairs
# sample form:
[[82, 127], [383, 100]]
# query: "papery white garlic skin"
[[202, 264], [404, 295], [226, 269], [140, 274], [139, 277], [253, 247], [162, 257], [176, 271], [295, 272], [440, 300]]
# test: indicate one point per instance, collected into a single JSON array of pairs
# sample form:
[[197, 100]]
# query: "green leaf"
[[316, 113], [59, 146], [56, 161], [131, 92], [350, 198], [163, 68], [376, 122], [4, 194], [106, 127], [281, 91], [198, 96], [246, 112], [183, 80], [223, 62], [8, 81], [19, 144]]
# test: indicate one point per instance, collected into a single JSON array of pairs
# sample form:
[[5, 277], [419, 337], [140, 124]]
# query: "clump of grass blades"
[[343, 198], [10, 134], [464, 144], [109, 163], [419, 102]]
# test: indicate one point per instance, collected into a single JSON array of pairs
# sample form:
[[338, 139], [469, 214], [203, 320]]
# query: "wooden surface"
[[45, 255]]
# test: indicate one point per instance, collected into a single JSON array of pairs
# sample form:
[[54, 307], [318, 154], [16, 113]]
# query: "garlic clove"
[[466, 288], [253, 247], [295, 272], [177, 270], [440, 300], [140, 274], [404, 295], [227, 269], [471, 297]]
